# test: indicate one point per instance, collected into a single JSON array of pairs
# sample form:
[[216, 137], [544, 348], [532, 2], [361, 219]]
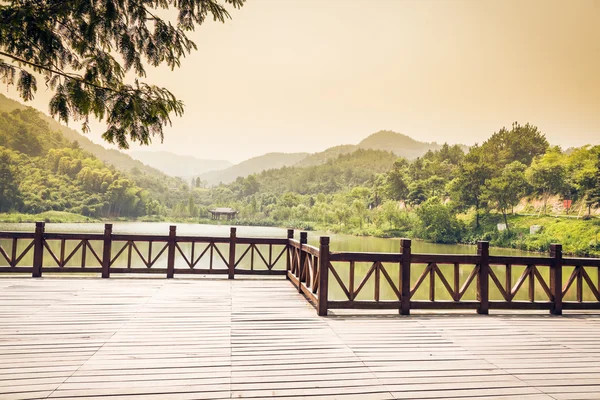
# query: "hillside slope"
[[337, 174], [119, 160], [40, 170], [253, 166], [325, 156], [49, 167]]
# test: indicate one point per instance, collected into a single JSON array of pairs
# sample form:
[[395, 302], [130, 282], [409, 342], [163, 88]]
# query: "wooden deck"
[[213, 338]]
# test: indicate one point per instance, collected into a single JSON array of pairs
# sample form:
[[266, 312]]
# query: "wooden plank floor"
[[214, 339]]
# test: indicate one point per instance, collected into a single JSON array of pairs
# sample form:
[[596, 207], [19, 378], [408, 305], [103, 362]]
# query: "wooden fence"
[[513, 279], [330, 280], [110, 253]]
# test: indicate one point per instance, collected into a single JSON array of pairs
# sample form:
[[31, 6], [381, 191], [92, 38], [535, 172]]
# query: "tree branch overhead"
[[73, 44]]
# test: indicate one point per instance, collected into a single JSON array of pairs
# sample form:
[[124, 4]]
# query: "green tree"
[[396, 185], [379, 185], [360, 211], [9, 190], [250, 186], [451, 154], [521, 143], [438, 223], [435, 185], [468, 187], [390, 212], [506, 190], [582, 172], [416, 193], [76, 46], [593, 195], [192, 210], [547, 174]]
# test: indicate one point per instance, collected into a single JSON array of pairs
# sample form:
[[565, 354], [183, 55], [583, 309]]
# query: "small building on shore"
[[228, 213]]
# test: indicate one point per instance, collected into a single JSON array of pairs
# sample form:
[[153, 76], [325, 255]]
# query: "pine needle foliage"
[[86, 50]]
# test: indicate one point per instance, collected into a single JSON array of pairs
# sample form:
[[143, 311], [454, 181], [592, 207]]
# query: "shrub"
[[438, 223]]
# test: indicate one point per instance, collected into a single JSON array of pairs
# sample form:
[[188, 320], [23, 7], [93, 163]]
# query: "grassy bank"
[[48, 216], [578, 236]]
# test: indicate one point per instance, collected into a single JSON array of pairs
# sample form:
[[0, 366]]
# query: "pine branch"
[[57, 71]]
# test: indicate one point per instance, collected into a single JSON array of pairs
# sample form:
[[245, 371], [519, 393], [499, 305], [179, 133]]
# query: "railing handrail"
[[309, 267], [358, 256]]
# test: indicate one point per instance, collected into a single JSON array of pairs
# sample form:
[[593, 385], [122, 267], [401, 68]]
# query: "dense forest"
[[40, 170], [448, 195]]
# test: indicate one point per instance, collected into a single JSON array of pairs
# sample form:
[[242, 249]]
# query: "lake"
[[339, 242]]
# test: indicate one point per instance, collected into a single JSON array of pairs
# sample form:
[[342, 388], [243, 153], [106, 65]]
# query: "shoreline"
[[516, 239]]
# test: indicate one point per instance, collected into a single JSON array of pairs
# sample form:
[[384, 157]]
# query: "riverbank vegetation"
[[445, 196], [47, 216]]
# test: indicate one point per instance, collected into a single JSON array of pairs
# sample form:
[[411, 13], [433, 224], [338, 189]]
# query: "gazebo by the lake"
[[229, 213]]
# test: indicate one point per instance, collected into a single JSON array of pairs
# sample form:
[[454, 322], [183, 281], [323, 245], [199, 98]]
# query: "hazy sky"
[[304, 75]]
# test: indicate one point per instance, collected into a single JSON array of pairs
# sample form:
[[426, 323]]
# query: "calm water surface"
[[338, 243]]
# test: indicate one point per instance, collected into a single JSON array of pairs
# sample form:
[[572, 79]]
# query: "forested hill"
[[358, 169], [342, 173], [400, 144], [42, 170], [396, 143], [324, 156], [119, 160]]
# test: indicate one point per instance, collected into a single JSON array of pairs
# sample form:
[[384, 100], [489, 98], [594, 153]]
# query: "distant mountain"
[[324, 156], [119, 160], [253, 166], [397, 143], [178, 165]]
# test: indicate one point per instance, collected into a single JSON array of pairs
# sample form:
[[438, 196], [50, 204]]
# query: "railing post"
[[303, 240], [38, 250], [232, 242], [323, 276], [405, 277], [171, 252], [106, 252], [556, 278], [483, 281], [288, 265]]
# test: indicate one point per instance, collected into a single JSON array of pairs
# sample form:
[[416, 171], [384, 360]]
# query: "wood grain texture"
[[213, 338]]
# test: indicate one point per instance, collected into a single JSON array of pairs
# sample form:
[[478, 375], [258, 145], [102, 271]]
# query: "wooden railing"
[[481, 282], [329, 280], [305, 265], [110, 253]]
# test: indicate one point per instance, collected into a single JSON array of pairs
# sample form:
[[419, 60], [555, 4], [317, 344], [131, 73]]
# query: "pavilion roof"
[[223, 210]]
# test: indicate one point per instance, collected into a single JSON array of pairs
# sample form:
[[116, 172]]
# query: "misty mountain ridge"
[[399, 144], [251, 166], [183, 166]]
